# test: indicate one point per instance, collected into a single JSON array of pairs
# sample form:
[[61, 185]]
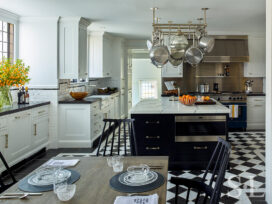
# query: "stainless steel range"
[[237, 102]]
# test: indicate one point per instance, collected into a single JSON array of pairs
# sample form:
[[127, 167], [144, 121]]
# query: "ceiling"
[[132, 18]]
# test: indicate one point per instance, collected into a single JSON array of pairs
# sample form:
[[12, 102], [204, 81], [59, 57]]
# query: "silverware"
[[18, 194], [14, 197]]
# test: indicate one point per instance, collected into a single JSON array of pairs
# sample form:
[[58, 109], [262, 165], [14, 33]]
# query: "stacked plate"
[[46, 177]]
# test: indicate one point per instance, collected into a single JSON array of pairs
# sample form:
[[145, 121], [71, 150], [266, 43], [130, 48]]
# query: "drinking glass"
[[58, 179], [66, 192], [110, 161], [118, 163]]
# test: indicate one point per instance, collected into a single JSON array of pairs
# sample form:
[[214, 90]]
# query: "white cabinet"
[[19, 136], [40, 124], [256, 65], [117, 106], [100, 55], [122, 103], [23, 134], [256, 112], [129, 100], [169, 71], [74, 125], [73, 48]]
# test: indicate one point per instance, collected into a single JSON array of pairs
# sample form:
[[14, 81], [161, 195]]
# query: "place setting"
[[54, 176], [135, 181]]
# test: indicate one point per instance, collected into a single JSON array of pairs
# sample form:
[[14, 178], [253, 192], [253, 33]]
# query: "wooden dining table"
[[93, 186]]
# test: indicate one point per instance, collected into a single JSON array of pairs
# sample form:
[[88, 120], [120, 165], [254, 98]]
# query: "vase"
[[5, 97]]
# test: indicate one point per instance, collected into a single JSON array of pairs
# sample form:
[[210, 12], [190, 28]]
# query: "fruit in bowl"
[[187, 100], [78, 95]]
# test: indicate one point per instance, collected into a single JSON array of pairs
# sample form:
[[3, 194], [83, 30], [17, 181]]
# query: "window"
[[148, 89], [6, 40]]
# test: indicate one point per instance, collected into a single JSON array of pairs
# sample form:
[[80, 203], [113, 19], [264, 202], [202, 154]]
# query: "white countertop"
[[103, 97], [164, 106]]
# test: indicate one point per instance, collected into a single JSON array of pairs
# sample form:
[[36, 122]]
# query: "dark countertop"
[[256, 94], [84, 101], [17, 108]]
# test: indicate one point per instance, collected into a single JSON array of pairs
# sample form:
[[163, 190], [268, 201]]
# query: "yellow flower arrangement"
[[13, 74]]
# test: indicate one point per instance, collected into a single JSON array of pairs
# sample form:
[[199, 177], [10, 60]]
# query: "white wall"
[[142, 69], [268, 153], [38, 47]]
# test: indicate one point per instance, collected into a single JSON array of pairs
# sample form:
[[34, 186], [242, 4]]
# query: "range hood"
[[228, 48]]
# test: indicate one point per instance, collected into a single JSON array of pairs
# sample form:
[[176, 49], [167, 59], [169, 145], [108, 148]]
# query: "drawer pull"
[[258, 106], [17, 117], [152, 122], [6, 143], [35, 129], [41, 112], [196, 147], [152, 148], [152, 137], [95, 114]]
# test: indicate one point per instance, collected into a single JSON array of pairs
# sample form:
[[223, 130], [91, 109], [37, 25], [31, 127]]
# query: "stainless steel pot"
[[175, 62], [204, 88], [206, 43], [159, 55], [193, 55]]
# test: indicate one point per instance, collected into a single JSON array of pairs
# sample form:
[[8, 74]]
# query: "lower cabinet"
[[23, 134], [256, 112]]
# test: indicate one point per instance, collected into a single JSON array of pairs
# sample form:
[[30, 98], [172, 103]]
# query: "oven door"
[[242, 111], [200, 128]]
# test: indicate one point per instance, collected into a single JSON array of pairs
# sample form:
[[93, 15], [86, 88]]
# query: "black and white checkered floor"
[[244, 182]]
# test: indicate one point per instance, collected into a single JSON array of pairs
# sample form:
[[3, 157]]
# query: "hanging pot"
[[206, 43], [180, 42], [159, 55], [175, 62], [193, 55]]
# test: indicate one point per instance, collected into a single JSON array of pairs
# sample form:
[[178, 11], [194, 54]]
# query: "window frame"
[[155, 88]]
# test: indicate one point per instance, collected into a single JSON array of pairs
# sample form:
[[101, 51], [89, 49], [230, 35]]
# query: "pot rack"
[[187, 29]]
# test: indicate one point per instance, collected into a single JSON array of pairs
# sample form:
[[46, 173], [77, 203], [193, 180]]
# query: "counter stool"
[[4, 185], [217, 166], [112, 132]]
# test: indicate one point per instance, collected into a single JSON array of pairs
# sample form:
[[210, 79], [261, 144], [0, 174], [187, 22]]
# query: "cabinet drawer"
[[41, 111], [95, 106], [152, 150], [3, 123]]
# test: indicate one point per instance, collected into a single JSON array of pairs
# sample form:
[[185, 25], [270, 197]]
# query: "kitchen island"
[[187, 134]]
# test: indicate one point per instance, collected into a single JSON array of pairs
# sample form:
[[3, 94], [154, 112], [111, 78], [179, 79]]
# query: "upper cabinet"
[[256, 65], [73, 41], [100, 55]]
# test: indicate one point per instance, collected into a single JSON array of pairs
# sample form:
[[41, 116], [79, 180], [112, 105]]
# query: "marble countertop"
[[21, 107], [164, 106], [86, 100], [103, 97]]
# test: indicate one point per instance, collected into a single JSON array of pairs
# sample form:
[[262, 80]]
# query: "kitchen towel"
[[151, 199], [233, 111]]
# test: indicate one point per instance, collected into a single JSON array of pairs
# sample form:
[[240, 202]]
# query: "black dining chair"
[[5, 182], [217, 166], [112, 131]]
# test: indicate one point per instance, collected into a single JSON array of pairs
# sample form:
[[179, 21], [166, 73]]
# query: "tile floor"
[[244, 182]]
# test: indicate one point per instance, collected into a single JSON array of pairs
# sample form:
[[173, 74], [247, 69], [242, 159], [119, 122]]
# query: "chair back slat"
[[3, 185], [112, 132]]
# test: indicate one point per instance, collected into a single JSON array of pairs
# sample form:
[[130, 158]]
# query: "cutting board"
[[209, 102]]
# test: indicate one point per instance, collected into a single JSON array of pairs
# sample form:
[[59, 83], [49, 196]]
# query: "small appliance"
[[248, 86]]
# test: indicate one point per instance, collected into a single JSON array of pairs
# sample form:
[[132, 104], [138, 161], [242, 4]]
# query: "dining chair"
[[112, 131], [217, 166], [5, 185]]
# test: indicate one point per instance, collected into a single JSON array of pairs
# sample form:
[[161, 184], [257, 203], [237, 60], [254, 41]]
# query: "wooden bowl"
[[78, 95]]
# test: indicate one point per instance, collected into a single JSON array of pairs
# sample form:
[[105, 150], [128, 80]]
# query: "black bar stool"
[[4, 185], [217, 166], [112, 130]]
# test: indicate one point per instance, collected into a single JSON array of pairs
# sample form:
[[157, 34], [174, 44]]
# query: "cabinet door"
[[3, 137], [107, 57], [169, 71], [122, 105], [82, 62], [74, 121], [68, 51], [256, 65], [40, 131], [19, 136], [116, 107], [256, 112]]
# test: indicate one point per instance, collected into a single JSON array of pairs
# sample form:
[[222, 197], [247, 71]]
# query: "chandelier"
[[170, 42]]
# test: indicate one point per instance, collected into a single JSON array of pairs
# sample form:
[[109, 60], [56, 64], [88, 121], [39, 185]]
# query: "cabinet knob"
[[152, 122]]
